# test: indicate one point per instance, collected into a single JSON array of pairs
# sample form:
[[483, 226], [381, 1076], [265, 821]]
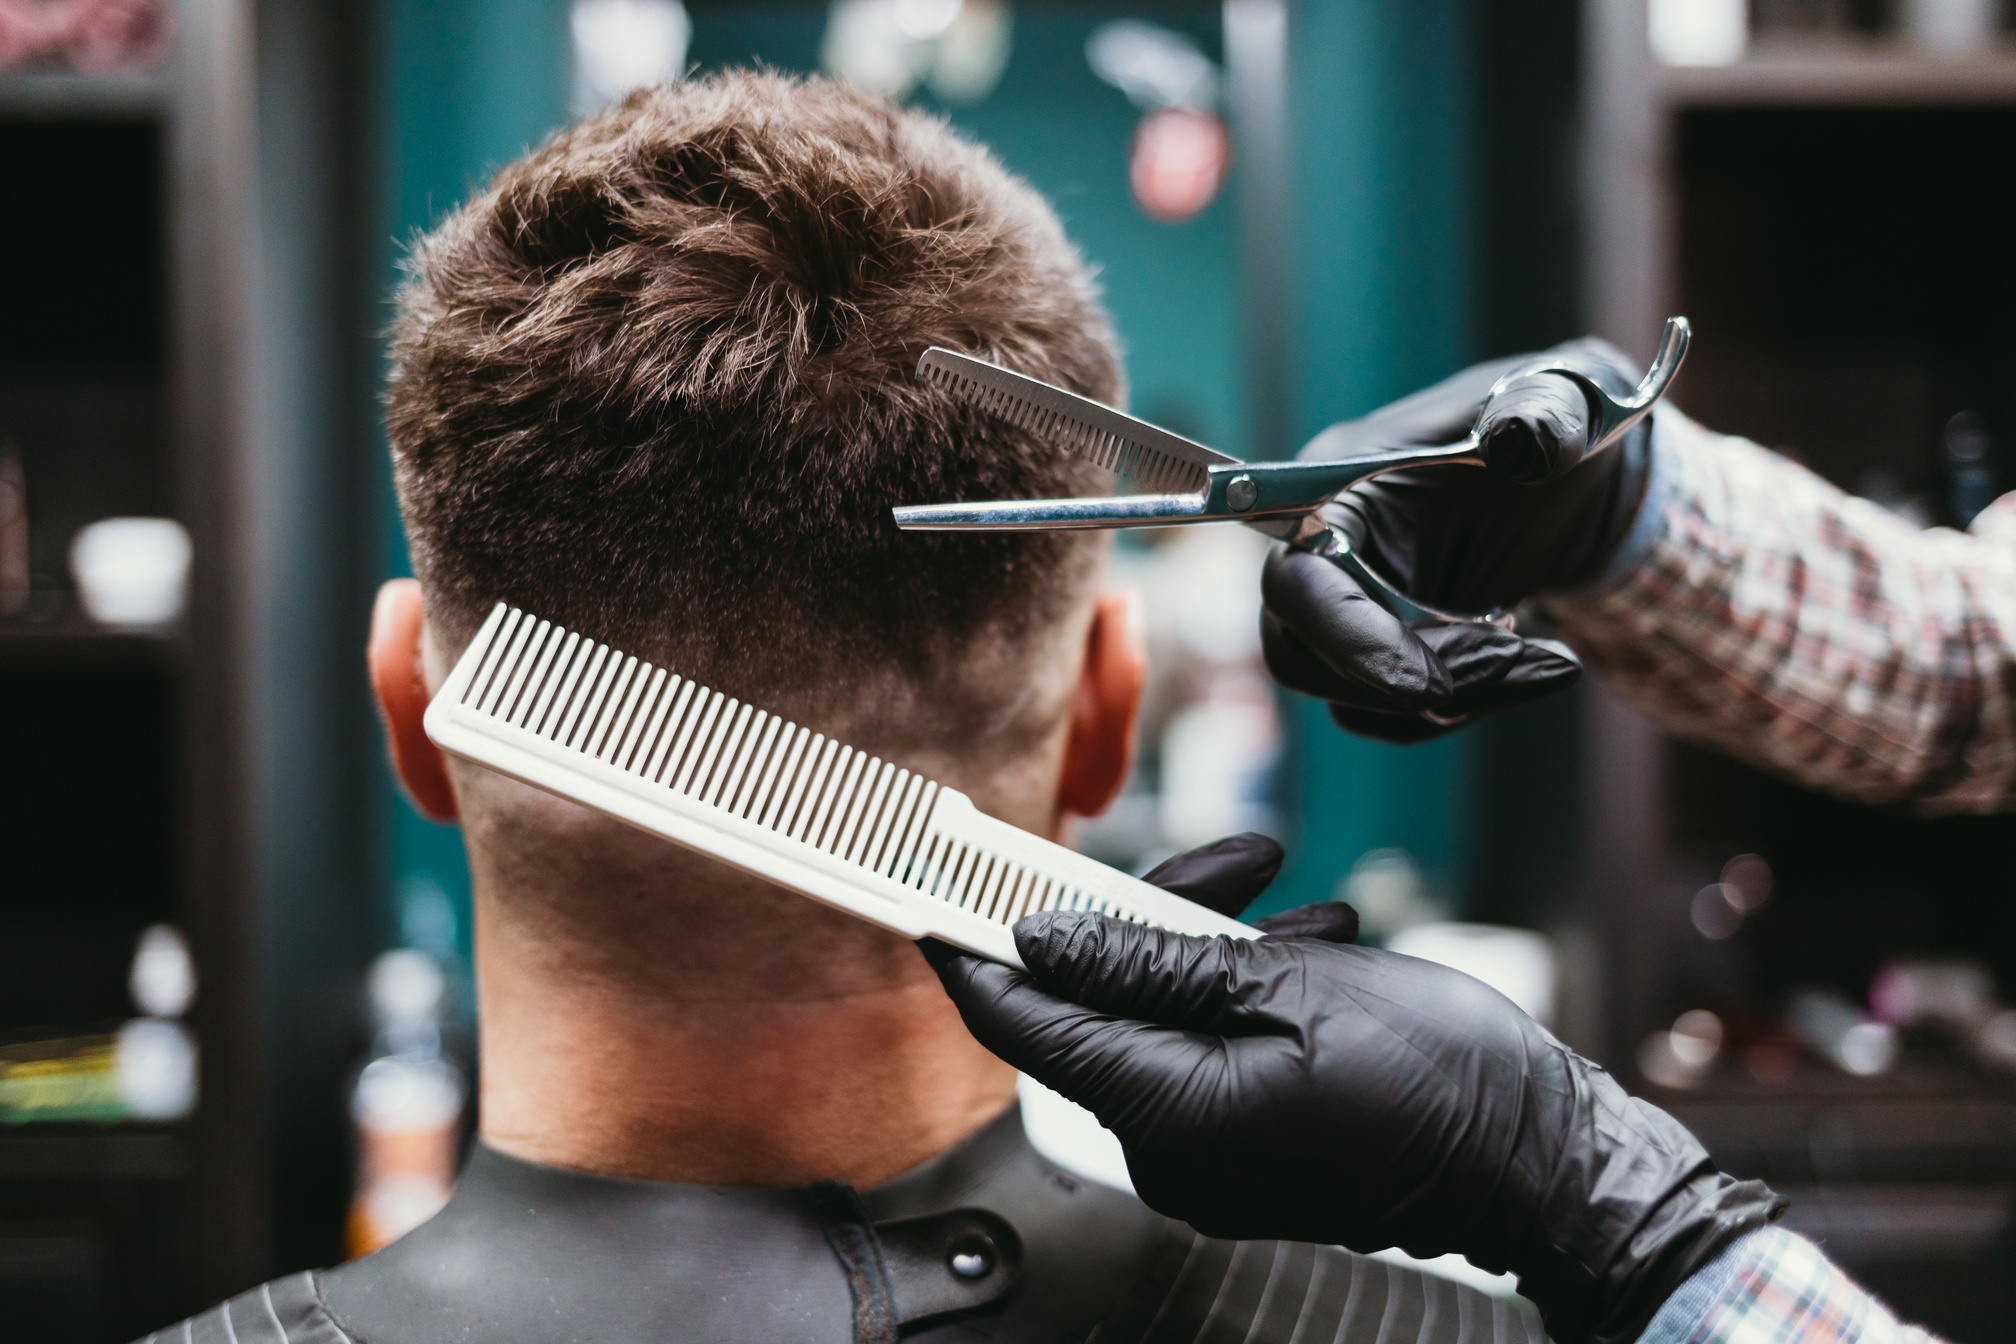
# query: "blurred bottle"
[[887, 47], [1387, 889], [1955, 995], [156, 1053], [406, 1105], [132, 573], [13, 532], [1218, 757], [1995, 1041], [1952, 27], [1683, 1055], [1955, 998], [1836, 1030], [1970, 466], [146, 1070], [1209, 726], [1697, 32], [621, 45]]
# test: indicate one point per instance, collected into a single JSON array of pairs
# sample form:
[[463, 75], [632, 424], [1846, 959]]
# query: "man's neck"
[[825, 1049]]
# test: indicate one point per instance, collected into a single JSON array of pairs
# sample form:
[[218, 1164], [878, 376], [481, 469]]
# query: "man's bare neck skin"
[[647, 1012], [770, 1042]]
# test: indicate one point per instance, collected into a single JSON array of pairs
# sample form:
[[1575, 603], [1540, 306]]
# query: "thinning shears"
[[1186, 482]]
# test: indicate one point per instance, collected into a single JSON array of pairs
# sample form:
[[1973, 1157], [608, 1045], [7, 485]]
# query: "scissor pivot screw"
[[1241, 493]]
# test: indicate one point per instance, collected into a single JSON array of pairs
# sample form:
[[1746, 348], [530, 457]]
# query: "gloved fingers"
[[1326, 921], [1351, 514], [1474, 656], [1137, 971], [1224, 875], [1120, 1069], [1491, 669], [1439, 414], [1294, 665], [1536, 429], [1617, 372], [1363, 644], [1540, 668], [940, 953], [1487, 682], [1445, 412]]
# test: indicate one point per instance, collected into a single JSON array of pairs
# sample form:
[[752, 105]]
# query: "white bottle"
[[1698, 32], [406, 1106], [1952, 27]]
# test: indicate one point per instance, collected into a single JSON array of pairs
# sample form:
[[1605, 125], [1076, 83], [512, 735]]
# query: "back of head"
[[656, 385]]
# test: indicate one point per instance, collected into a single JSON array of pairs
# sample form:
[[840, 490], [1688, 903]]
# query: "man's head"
[[656, 385]]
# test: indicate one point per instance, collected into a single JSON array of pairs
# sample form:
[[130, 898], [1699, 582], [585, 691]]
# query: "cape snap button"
[[971, 1257]]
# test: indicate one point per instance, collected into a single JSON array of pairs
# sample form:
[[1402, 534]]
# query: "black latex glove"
[[1541, 516], [1226, 875], [1306, 1090]]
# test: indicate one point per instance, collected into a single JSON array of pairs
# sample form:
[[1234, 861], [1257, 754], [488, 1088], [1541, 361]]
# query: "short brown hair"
[[656, 385]]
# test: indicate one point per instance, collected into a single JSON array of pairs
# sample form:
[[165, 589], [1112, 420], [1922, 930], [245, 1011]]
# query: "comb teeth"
[[1156, 471], [587, 702]]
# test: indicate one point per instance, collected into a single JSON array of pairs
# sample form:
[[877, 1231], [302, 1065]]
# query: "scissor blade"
[[1159, 460], [1047, 515]]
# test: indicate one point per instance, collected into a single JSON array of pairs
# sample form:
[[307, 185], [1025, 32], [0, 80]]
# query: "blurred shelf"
[[1843, 74], [1860, 1224], [75, 642], [118, 1154], [1812, 1139], [1928, 1070], [63, 93]]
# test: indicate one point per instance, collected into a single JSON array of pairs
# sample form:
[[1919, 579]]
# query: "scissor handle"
[[1252, 492], [1614, 418], [1333, 545]]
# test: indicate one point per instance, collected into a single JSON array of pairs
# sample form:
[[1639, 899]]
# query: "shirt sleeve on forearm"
[[1759, 610], [1775, 1288]]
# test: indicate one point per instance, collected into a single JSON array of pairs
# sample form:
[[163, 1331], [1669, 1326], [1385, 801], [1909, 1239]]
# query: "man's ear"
[[1107, 706], [397, 625]]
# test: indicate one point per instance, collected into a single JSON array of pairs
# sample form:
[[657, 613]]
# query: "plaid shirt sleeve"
[[1758, 610], [1773, 1287]]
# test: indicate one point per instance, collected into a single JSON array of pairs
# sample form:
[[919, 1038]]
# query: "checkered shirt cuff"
[[1759, 610], [1773, 1287]]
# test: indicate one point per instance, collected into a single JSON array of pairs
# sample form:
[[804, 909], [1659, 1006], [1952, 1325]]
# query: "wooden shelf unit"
[[149, 1153], [75, 644], [1858, 391], [63, 93], [1839, 73], [219, 775]]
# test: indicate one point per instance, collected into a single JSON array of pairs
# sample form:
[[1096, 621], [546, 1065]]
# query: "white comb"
[[1162, 462], [760, 793]]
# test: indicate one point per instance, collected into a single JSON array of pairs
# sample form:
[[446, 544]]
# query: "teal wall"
[[467, 86], [1173, 289], [1380, 159], [1380, 162], [470, 83]]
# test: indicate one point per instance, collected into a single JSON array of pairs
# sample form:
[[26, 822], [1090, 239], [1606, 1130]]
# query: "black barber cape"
[[987, 1242]]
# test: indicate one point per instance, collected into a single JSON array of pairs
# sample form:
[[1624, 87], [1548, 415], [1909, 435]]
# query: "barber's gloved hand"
[[1541, 516], [1303, 1089], [1226, 875]]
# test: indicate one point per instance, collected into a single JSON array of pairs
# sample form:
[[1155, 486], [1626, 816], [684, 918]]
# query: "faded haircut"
[[656, 385]]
